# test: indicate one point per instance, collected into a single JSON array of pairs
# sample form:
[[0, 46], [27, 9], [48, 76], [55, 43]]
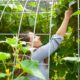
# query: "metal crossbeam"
[[25, 12], [3, 34]]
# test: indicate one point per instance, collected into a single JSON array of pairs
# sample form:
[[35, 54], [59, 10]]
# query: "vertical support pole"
[[50, 27], [4, 10], [78, 7], [35, 23]]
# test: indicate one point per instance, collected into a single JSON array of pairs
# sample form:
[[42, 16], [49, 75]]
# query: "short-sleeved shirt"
[[43, 52]]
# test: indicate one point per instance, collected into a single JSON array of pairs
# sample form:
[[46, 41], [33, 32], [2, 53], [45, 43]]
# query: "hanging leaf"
[[4, 56], [2, 75], [76, 13], [22, 78], [72, 59], [32, 4], [22, 48], [20, 7], [32, 68], [31, 21]]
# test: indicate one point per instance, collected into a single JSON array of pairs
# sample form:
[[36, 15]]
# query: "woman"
[[44, 51]]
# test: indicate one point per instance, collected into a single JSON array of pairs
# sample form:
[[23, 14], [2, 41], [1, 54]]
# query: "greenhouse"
[[39, 40]]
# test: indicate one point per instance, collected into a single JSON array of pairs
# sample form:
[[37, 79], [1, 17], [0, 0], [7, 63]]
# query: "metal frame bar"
[[26, 12], [19, 28], [34, 30], [5, 34], [4, 9], [14, 64], [50, 27], [78, 7]]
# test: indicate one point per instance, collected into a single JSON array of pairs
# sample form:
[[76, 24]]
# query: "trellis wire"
[[4, 9], [35, 23], [26, 12], [36, 16]]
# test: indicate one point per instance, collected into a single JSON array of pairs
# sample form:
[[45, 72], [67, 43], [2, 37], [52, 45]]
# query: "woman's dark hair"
[[25, 36]]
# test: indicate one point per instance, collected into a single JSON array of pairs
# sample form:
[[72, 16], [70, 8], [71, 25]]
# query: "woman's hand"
[[68, 13], [62, 30]]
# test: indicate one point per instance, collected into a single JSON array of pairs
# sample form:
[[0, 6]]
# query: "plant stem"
[[21, 74], [4, 65], [8, 78]]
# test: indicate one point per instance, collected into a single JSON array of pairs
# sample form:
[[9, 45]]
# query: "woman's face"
[[35, 40]]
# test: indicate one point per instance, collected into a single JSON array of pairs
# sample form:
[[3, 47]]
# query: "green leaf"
[[22, 78], [11, 41], [32, 4], [4, 56], [2, 75], [19, 7], [22, 42], [76, 13], [32, 68], [24, 49], [72, 59], [31, 21], [12, 6]]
